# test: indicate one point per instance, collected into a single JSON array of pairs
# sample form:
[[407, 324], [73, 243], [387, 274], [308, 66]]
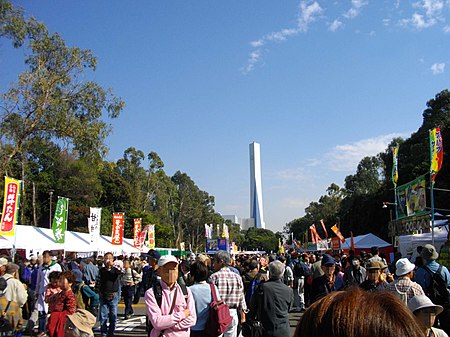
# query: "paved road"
[[135, 326]]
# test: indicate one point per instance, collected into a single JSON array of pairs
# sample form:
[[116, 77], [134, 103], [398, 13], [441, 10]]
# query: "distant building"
[[232, 218], [244, 223], [256, 200]]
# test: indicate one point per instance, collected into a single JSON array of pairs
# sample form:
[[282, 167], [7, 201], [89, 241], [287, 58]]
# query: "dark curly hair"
[[69, 276]]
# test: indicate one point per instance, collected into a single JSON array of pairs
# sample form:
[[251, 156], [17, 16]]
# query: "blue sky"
[[319, 84]]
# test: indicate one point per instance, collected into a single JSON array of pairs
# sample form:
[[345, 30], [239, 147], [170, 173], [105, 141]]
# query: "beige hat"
[[3, 261], [429, 252], [421, 302], [166, 259], [375, 265], [83, 320]]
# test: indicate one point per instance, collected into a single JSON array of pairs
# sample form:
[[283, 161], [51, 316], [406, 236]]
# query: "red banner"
[[335, 243], [137, 232], [324, 229], [117, 229]]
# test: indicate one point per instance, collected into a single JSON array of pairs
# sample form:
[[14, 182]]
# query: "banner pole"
[[431, 190]]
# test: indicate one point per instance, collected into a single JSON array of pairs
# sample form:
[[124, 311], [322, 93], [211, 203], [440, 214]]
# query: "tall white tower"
[[256, 201]]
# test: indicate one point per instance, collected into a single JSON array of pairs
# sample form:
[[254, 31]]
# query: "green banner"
[[412, 198], [59, 224]]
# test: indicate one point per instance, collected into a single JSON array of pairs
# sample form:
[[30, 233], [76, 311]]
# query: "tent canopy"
[[367, 241]]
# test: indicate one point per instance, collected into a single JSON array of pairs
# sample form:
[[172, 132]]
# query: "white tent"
[[40, 239], [366, 241], [407, 244]]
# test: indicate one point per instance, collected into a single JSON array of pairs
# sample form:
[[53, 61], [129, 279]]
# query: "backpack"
[[437, 291], [6, 328], [251, 289], [300, 269], [219, 316], [79, 297], [157, 291], [26, 275]]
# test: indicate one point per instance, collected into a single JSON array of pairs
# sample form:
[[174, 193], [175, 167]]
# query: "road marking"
[[128, 324]]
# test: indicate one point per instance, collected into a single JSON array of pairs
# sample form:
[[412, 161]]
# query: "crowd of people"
[[67, 297]]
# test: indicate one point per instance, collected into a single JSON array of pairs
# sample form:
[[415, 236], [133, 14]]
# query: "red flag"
[[324, 228], [137, 232], [352, 243], [313, 237], [117, 232], [316, 235]]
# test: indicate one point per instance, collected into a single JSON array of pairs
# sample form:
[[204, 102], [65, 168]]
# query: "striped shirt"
[[230, 287], [404, 285]]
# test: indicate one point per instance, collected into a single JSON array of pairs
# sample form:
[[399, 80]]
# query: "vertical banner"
[[142, 236], [324, 229], [136, 232], [10, 206], [395, 166], [225, 233], [59, 224], [352, 242], [117, 229], [437, 152], [336, 231], [95, 217], [151, 237]]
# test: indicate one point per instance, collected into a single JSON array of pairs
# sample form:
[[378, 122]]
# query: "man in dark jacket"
[[355, 274], [324, 284], [271, 303], [108, 285]]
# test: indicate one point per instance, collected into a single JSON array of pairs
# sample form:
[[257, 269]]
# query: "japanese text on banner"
[[10, 206], [117, 229]]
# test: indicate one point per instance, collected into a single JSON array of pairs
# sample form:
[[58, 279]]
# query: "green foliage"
[[260, 239]]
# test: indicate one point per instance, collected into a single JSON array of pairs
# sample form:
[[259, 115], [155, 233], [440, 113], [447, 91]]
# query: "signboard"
[[213, 245], [335, 243], [412, 198], [409, 225], [117, 230]]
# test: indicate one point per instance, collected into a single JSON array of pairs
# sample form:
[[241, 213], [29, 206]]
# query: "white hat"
[[3, 261], [422, 302], [166, 259], [403, 267]]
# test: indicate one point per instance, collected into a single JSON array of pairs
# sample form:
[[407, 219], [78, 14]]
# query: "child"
[[52, 289]]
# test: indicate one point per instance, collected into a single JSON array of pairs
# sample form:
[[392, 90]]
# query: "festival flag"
[[395, 165], [59, 224], [225, 233], [314, 231], [207, 231], [280, 247], [151, 237], [142, 236], [352, 242], [117, 229], [137, 223], [94, 221], [218, 230], [338, 233], [10, 206], [324, 229], [436, 151]]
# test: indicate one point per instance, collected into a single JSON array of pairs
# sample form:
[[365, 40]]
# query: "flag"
[[10, 206], [117, 229], [280, 247], [395, 165], [142, 236], [225, 233], [436, 151], [352, 242], [136, 232], [207, 231], [338, 233], [94, 221], [151, 237], [324, 229], [317, 238], [59, 224], [218, 230]]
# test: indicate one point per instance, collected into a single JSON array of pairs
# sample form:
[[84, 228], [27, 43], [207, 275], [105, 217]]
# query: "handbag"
[[219, 316], [252, 327]]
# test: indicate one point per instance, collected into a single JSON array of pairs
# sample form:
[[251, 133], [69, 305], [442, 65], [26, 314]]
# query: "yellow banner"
[[151, 237], [10, 206]]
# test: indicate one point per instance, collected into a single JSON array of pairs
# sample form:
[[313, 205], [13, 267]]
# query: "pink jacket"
[[174, 325]]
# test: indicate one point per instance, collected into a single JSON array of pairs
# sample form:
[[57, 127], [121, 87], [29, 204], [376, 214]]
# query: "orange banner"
[[336, 231], [117, 229], [137, 232]]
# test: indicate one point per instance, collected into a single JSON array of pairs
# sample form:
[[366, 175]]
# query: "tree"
[[50, 99]]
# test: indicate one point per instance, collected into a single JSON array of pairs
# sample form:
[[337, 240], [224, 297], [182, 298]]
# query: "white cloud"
[[432, 7], [354, 11], [446, 29], [308, 13], [427, 14], [295, 174], [346, 157], [297, 203], [438, 68], [335, 25]]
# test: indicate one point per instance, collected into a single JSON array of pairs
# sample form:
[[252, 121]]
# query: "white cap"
[[166, 259], [3, 261], [403, 267]]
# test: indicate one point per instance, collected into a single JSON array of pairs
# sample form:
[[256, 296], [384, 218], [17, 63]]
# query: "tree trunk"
[[34, 205]]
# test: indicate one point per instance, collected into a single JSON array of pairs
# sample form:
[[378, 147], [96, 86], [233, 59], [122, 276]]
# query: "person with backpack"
[[404, 287], [86, 298], [11, 322], [168, 310], [301, 272], [435, 281]]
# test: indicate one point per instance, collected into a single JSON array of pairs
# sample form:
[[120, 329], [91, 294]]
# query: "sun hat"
[[327, 259], [429, 252], [421, 302], [372, 265], [163, 260], [83, 320], [403, 267], [3, 261]]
